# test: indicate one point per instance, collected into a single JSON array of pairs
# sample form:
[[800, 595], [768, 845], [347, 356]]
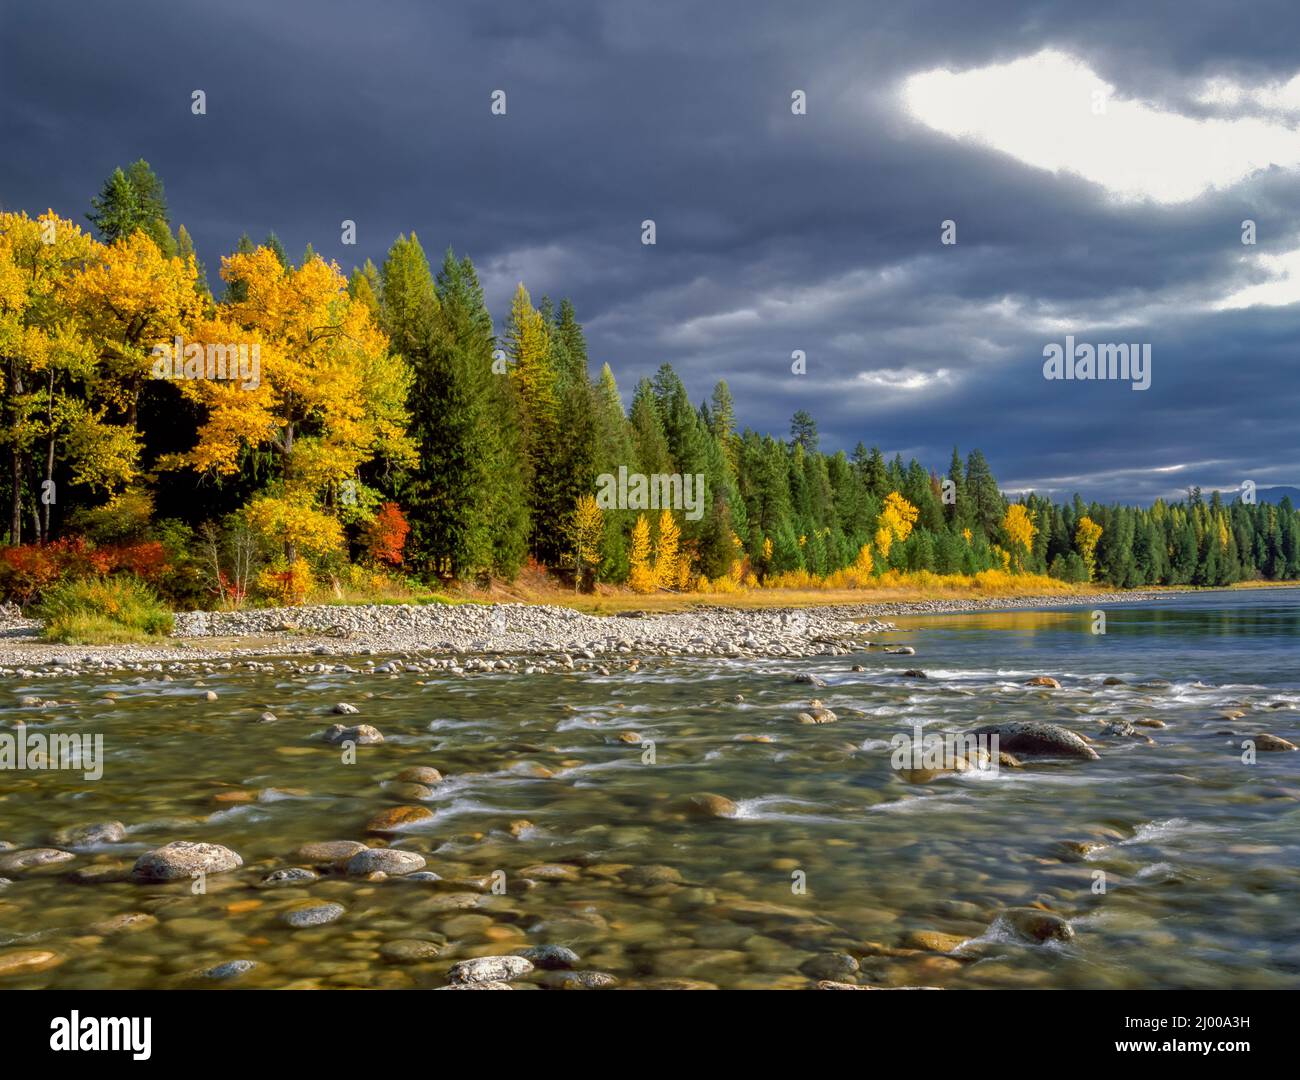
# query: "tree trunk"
[[15, 457], [49, 468]]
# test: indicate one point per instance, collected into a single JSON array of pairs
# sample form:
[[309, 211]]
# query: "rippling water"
[[830, 850]]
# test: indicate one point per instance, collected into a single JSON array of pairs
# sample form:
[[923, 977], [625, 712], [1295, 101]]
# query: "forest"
[[394, 437]]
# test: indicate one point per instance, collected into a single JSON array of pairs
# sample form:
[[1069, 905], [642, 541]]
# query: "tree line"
[[390, 422]]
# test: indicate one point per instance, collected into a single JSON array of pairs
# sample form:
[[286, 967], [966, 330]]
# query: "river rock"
[[361, 734], [1037, 737], [182, 858], [1045, 681], [708, 805], [131, 922], [1265, 741], [831, 965], [328, 853], [103, 832], [408, 951], [577, 980], [292, 875], [231, 969], [343, 708], [27, 961], [386, 860], [549, 957], [1037, 925], [483, 969], [550, 872], [26, 860], [420, 774], [312, 913], [397, 818], [652, 875], [932, 941], [491, 985]]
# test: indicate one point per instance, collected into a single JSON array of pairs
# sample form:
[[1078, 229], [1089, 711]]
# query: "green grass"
[[103, 611]]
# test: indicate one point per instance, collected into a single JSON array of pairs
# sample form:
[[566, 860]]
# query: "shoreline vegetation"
[[287, 434]]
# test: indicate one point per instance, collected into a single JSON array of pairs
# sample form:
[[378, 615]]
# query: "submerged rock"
[[26, 860], [231, 969], [549, 957], [397, 818], [577, 980], [483, 969], [832, 965], [409, 951], [385, 860], [182, 859], [1035, 737], [328, 853], [708, 805], [103, 832], [1037, 925], [312, 913], [1269, 742], [293, 875], [420, 774], [361, 734]]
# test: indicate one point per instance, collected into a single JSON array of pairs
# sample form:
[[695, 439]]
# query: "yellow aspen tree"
[[1086, 535], [1020, 530], [132, 297], [328, 397], [51, 403]]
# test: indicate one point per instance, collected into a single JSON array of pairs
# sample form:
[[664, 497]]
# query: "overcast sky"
[[1098, 163]]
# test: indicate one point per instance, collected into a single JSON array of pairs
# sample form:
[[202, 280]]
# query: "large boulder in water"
[[1035, 737]]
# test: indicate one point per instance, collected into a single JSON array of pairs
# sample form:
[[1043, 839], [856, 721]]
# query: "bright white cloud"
[[1042, 110], [904, 378], [1283, 286], [1276, 96]]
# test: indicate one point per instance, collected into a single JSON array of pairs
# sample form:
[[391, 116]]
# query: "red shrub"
[[386, 535], [29, 569]]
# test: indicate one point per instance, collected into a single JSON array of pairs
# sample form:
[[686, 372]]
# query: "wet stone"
[[293, 875], [27, 860], [103, 832], [385, 860], [550, 957], [577, 980], [408, 951], [182, 858], [312, 913], [489, 969]]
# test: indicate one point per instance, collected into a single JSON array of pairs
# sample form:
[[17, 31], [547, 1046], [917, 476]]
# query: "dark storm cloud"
[[775, 232]]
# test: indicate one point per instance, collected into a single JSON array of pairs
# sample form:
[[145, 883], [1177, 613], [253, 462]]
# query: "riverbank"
[[545, 632]]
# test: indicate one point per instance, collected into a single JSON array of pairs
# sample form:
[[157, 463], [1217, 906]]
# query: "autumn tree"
[[641, 577], [54, 410], [587, 535], [1086, 536], [668, 556], [329, 399], [1018, 529]]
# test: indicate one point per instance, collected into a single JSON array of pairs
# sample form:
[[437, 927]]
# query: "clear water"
[[1198, 850]]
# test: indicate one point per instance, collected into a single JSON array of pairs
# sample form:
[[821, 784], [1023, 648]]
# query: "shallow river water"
[[554, 826]]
